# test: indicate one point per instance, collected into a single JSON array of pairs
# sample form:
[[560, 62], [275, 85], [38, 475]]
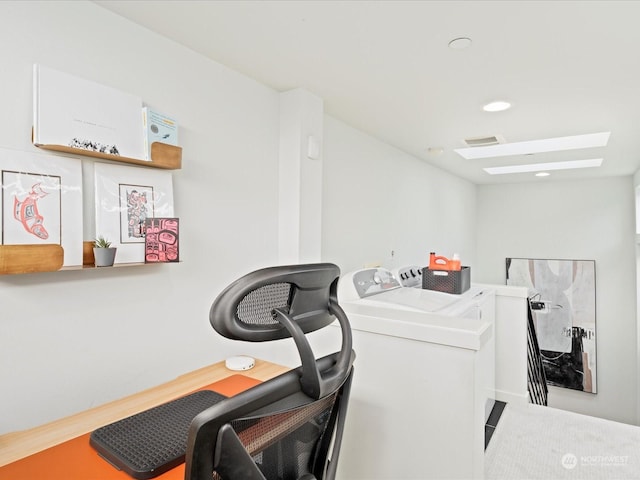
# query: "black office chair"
[[289, 427]]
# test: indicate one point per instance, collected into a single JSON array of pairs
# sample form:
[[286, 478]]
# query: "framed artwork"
[[562, 298], [125, 197], [162, 240], [42, 202]]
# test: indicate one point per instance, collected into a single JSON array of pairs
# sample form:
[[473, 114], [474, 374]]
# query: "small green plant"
[[101, 242]]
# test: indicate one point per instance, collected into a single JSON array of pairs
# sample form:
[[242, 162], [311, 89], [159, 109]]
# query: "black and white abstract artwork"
[[562, 297]]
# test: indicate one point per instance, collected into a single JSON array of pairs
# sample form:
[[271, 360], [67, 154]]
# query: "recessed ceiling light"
[[542, 174], [536, 146], [498, 106], [537, 167], [460, 43]]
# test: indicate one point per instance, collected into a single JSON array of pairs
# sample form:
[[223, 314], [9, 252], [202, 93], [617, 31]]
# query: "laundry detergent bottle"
[[438, 262]]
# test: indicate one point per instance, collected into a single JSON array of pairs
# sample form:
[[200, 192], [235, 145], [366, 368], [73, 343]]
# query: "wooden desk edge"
[[17, 445]]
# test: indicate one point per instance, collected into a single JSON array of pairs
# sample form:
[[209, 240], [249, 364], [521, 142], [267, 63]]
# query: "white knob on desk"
[[240, 362]]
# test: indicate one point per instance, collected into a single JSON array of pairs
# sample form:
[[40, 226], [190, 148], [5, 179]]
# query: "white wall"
[[73, 340], [378, 199], [586, 220], [636, 183]]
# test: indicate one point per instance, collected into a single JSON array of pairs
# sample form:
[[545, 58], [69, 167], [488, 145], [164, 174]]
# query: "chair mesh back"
[[284, 445], [257, 307]]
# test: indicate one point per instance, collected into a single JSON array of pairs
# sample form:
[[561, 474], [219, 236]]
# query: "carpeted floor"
[[535, 442]]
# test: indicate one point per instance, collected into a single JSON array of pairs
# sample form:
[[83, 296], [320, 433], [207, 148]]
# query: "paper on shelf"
[[75, 112]]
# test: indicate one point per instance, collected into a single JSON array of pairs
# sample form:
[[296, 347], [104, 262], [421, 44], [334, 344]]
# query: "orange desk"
[[70, 457]]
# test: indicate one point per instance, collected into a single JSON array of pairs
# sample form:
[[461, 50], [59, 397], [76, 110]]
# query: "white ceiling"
[[567, 67]]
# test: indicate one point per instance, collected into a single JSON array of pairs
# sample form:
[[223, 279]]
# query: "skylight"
[[538, 167], [536, 146]]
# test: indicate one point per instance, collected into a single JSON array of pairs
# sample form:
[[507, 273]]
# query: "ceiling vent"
[[484, 141]]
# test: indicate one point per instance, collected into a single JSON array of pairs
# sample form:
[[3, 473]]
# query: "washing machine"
[[377, 287], [423, 382], [510, 334]]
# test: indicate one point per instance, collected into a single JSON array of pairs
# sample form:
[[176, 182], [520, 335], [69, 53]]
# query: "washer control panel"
[[410, 276], [374, 280]]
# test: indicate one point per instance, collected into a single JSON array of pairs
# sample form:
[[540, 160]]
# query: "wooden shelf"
[[16, 259], [168, 157], [115, 265], [19, 259]]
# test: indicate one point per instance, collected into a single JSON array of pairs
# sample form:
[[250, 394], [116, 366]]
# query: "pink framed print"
[[42, 201]]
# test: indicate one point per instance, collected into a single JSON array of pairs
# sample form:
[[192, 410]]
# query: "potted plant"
[[103, 252]]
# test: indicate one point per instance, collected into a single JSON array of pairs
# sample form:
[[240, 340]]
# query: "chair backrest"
[[289, 427]]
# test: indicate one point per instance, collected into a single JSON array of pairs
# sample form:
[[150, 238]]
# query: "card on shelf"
[[161, 240], [157, 127]]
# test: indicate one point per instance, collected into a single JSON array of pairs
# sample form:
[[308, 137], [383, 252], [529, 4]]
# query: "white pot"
[[104, 257]]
